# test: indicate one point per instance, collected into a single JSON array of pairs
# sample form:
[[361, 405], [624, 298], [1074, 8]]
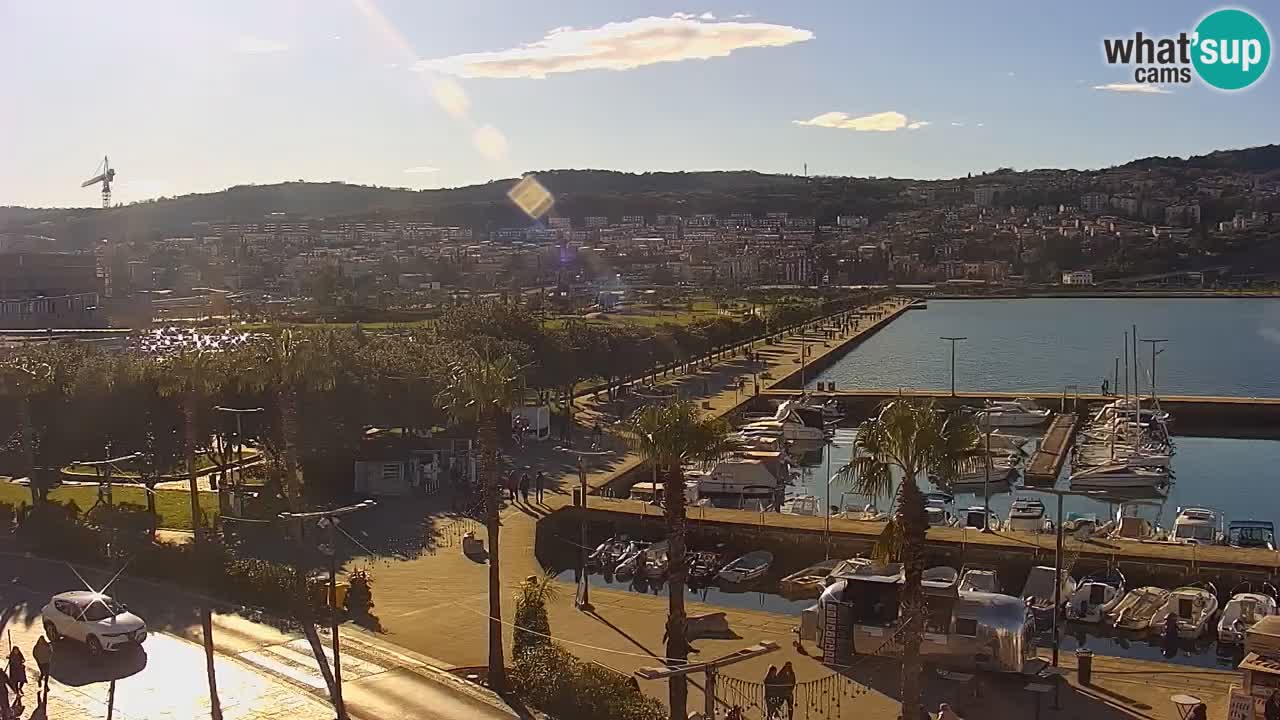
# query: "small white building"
[[1077, 277]]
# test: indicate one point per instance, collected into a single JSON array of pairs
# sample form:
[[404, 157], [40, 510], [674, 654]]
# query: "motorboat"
[[631, 559], [1194, 607], [979, 580], [973, 475], [1022, 412], [846, 568], [801, 505], [1010, 442], [749, 567], [1095, 595], [738, 476], [1132, 527], [939, 513], [1128, 407], [940, 577], [1119, 476], [608, 553], [1027, 514], [1136, 608], [793, 422], [1039, 593], [1243, 611], [1197, 526], [655, 493], [655, 561], [864, 513], [1252, 534], [978, 518], [703, 565], [1080, 523], [809, 581]]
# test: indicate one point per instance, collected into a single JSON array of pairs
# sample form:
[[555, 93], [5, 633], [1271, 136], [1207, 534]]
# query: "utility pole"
[[953, 341], [328, 519], [583, 603]]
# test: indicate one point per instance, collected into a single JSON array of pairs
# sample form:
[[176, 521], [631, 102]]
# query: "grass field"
[[173, 506]]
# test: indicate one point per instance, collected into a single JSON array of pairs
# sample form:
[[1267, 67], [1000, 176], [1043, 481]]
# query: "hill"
[[578, 193]]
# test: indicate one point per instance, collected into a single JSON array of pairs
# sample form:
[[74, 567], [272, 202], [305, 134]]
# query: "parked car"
[[94, 619]]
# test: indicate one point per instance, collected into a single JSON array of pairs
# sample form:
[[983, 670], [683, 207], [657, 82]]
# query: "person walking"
[[43, 653], [539, 483], [524, 487], [17, 670], [787, 689], [771, 693], [510, 482]]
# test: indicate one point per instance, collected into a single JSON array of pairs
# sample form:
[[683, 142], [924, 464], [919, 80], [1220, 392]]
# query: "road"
[[262, 672]]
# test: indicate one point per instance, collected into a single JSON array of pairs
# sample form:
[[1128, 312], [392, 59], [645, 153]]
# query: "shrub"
[[56, 530], [360, 594], [531, 613], [559, 684]]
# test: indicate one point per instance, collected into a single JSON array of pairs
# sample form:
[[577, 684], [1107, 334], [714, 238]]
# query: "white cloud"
[[422, 169], [707, 16], [490, 142], [741, 16], [957, 124], [1134, 88], [677, 15], [619, 46], [877, 122], [1011, 74], [450, 95], [254, 45], [980, 124]]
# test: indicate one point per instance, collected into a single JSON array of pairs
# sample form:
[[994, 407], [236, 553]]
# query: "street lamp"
[[328, 520], [953, 341], [584, 601]]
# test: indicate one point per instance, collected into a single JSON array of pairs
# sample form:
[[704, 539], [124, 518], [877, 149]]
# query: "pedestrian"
[[524, 487], [597, 435], [946, 713], [4, 695], [43, 653], [511, 485], [539, 482], [771, 693], [787, 689], [17, 670]]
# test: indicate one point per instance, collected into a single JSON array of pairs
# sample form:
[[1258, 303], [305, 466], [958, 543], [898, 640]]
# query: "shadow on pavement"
[[74, 666]]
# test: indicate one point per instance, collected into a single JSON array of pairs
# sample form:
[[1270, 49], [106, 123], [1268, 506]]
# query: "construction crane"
[[105, 176]]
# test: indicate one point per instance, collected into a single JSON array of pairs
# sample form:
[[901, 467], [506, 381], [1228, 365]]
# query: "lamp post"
[[584, 601], [328, 519], [953, 341]]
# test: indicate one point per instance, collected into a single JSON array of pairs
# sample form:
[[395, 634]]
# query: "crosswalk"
[[294, 661]]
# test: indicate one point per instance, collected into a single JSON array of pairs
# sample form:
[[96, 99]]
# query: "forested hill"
[[578, 193]]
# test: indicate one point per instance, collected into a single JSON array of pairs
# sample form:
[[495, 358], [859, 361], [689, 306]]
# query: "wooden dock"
[[1047, 462]]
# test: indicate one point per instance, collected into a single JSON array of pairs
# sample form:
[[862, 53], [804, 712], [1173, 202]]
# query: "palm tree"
[[909, 438], [482, 390], [532, 628], [193, 375], [667, 436]]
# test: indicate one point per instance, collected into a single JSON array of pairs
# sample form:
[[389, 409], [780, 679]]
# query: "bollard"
[[1084, 666]]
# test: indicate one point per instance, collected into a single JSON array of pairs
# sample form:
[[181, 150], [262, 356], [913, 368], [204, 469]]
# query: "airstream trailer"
[[963, 629]]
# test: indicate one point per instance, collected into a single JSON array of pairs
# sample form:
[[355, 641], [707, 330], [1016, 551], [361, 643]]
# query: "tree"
[[910, 439], [668, 435], [20, 378], [482, 389], [532, 626]]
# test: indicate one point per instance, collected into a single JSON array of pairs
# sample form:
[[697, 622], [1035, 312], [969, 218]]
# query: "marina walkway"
[[1047, 462]]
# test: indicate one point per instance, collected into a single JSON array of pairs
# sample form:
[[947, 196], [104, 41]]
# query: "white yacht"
[[791, 422], [1026, 514], [802, 505], [978, 518], [937, 508], [1194, 607], [1136, 608], [1197, 526], [737, 477], [1023, 412], [1118, 477], [1095, 596], [1242, 612], [979, 580]]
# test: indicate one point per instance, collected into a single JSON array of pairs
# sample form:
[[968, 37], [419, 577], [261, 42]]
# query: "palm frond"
[[888, 545]]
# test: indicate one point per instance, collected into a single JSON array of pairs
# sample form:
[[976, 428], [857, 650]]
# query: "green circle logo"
[[1232, 49]]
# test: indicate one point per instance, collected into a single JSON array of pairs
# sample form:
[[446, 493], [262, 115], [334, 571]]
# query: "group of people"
[[780, 690], [522, 484], [13, 678]]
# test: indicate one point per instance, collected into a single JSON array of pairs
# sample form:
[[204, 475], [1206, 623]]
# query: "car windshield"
[[101, 609]]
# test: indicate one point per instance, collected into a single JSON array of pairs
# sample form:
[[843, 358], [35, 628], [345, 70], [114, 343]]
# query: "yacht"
[[801, 505], [937, 508], [1252, 534], [1196, 526], [1026, 514], [747, 568], [979, 580], [1242, 612], [1095, 596], [1039, 591], [973, 475], [738, 477], [1194, 607], [792, 422], [809, 581], [1023, 412], [1119, 476], [978, 518], [1135, 609]]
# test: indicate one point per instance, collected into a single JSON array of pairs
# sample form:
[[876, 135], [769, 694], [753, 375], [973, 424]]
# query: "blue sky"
[[197, 96]]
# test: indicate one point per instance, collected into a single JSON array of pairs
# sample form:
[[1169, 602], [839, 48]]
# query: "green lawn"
[[173, 506]]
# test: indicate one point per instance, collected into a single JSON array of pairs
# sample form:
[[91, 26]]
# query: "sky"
[[199, 95]]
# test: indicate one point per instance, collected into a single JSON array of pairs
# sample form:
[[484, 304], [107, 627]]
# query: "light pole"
[[1154, 353], [953, 341], [986, 481], [328, 519], [826, 525], [584, 601]]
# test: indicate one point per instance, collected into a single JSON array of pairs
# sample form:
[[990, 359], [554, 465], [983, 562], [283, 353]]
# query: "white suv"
[[94, 619]]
